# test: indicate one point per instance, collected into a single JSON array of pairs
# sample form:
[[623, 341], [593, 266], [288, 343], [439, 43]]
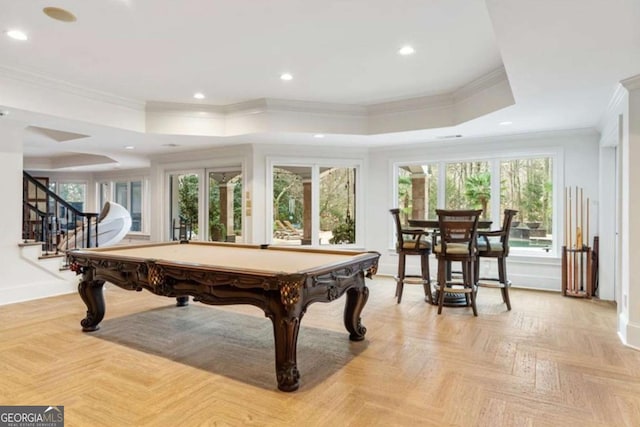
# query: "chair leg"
[[502, 274], [401, 270], [472, 283], [426, 277], [442, 281]]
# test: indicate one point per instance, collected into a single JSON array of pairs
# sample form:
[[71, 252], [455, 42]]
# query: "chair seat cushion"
[[411, 244], [453, 248], [494, 246]]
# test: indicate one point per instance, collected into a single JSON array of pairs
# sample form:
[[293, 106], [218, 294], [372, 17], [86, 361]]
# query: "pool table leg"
[[286, 325], [90, 291], [356, 299]]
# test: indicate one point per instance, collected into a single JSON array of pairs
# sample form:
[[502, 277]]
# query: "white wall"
[[22, 279], [577, 152]]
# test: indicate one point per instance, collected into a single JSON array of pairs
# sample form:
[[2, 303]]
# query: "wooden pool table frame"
[[284, 297]]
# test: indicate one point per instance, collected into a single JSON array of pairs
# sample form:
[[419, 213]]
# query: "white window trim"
[[315, 164], [494, 159]]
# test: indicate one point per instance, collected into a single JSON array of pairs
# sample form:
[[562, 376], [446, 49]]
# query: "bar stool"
[[495, 244], [458, 243], [411, 241]]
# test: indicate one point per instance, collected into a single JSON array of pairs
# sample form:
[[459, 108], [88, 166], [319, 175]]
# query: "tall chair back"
[[458, 243], [411, 241], [495, 244]]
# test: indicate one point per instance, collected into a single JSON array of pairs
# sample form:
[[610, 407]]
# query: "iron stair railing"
[[57, 224]]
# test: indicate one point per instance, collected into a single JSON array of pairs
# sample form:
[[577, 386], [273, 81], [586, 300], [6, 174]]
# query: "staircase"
[[53, 222]]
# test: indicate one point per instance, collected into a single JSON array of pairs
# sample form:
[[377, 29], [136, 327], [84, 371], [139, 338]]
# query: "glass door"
[[184, 206], [225, 204], [314, 205]]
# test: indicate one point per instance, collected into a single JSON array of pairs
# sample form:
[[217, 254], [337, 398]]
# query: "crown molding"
[[325, 108], [632, 83], [411, 104], [610, 115], [182, 108], [44, 82], [482, 83]]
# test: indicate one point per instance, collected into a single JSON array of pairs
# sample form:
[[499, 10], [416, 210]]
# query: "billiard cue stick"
[[588, 221], [581, 255], [570, 254], [575, 254], [588, 249]]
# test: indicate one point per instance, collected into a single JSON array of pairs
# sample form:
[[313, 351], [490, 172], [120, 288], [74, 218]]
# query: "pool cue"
[[564, 246], [575, 254], [570, 256], [589, 265], [580, 255]]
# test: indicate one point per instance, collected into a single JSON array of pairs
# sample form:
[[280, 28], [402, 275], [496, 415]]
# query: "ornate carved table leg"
[[182, 301], [285, 330], [90, 291], [285, 311], [356, 300]]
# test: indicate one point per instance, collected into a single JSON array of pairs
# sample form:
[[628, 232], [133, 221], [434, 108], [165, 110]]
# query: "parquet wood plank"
[[550, 361]]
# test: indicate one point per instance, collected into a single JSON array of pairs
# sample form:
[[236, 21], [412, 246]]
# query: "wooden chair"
[[495, 244], [458, 243], [411, 241]]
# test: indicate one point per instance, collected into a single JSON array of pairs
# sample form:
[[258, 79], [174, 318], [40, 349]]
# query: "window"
[[468, 186], [314, 204], [525, 184], [418, 191], [129, 194], [74, 193]]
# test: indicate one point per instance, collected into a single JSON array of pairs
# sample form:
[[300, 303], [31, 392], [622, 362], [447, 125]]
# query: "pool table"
[[282, 281]]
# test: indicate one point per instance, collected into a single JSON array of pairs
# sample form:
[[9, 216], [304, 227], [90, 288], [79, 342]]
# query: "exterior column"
[[419, 195], [226, 207], [629, 306], [306, 212]]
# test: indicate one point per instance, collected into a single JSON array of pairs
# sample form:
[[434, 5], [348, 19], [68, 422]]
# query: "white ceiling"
[[563, 60]]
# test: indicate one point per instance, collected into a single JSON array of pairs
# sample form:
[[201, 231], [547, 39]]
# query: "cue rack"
[[577, 280]]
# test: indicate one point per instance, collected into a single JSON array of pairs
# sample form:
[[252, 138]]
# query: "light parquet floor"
[[551, 361]]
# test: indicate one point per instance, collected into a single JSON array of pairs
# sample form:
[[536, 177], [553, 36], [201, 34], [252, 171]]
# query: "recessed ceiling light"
[[507, 123], [406, 50], [198, 95], [17, 35], [318, 135], [59, 14], [286, 77], [129, 147]]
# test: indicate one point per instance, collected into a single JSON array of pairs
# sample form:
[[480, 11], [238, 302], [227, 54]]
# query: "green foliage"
[[533, 202], [218, 232], [287, 195], [188, 199], [344, 233], [477, 190]]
